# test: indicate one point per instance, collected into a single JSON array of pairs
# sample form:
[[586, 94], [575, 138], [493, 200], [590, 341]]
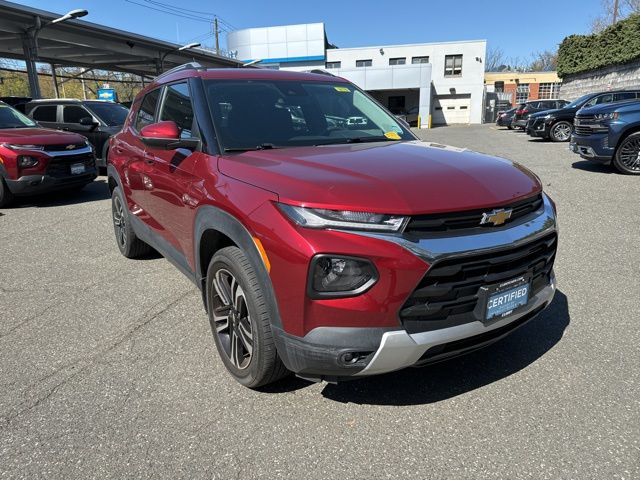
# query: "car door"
[[136, 170], [170, 204], [71, 116], [45, 115]]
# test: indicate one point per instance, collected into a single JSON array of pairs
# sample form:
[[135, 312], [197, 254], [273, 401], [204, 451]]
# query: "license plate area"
[[500, 300], [77, 168]]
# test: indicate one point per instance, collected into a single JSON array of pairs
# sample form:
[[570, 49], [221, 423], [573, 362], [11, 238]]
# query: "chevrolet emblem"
[[70, 147], [496, 217]]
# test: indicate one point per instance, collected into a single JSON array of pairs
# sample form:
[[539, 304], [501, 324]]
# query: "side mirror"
[[88, 122], [165, 135]]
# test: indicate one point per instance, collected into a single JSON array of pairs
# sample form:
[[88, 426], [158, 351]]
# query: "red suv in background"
[[37, 160], [322, 245]]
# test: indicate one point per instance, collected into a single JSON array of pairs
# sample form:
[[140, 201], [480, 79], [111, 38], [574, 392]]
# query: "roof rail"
[[184, 66], [319, 71]]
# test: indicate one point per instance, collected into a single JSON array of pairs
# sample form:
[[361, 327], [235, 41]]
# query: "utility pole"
[[615, 11], [54, 78], [217, 34]]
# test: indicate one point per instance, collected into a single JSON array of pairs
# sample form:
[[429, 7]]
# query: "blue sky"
[[518, 28]]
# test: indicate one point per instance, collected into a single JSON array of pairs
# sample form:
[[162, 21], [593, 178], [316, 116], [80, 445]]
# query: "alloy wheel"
[[629, 155], [119, 222], [231, 319], [562, 131]]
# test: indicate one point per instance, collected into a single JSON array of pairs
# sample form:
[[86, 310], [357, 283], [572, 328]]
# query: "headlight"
[[606, 116], [323, 218], [25, 161], [336, 276], [547, 117], [12, 146]]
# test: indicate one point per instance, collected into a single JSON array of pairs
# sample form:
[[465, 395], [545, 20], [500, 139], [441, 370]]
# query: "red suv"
[[37, 160], [325, 238]]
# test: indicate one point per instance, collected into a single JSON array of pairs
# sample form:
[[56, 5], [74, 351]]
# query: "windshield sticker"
[[392, 136], [342, 89]]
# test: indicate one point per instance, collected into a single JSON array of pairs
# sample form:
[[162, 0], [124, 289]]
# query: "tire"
[[560, 131], [240, 320], [128, 243], [627, 157], [6, 197]]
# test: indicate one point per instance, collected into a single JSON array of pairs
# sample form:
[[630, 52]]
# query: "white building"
[[444, 81]]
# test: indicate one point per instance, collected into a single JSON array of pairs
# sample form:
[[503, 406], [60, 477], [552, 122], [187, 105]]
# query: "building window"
[[549, 90], [363, 63], [522, 93], [397, 61], [415, 60], [452, 65], [330, 65]]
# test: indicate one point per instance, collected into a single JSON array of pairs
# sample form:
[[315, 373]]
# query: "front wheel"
[[240, 320], [627, 158], [560, 131]]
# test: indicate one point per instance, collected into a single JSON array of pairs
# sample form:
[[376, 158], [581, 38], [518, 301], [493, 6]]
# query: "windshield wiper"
[[341, 141], [262, 146]]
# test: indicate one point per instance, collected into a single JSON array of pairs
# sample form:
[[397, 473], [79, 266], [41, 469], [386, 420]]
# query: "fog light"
[[25, 161], [336, 276]]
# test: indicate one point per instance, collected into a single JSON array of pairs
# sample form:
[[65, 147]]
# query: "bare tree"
[[495, 59], [614, 11], [545, 61]]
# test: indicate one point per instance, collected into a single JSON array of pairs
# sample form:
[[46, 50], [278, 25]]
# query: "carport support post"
[[29, 48], [54, 79]]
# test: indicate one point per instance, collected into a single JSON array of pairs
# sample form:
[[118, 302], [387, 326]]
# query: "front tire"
[[6, 197], [560, 131], [627, 157], [240, 320], [128, 243]]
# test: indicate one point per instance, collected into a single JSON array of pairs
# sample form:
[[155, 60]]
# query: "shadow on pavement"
[[441, 381], [594, 167], [92, 192]]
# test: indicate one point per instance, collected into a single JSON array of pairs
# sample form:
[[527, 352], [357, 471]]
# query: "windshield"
[[253, 114], [112, 114], [579, 101], [11, 118]]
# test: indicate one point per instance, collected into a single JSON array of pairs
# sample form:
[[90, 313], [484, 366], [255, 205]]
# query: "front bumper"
[[333, 352], [36, 184], [593, 147], [538, 128]]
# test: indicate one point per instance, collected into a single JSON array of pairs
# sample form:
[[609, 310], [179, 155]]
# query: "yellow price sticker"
[[342, 89], [393, 136]]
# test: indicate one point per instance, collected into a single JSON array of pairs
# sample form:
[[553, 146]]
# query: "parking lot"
[[108, 367]]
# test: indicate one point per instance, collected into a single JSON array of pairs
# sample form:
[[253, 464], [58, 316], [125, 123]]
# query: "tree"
[[545, 61], [494, 60], [614, 11]]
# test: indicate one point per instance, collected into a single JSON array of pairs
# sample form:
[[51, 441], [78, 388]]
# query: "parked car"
[[37, 160], [97, 120], [330, 252], [609, 133], [523, 111], [557, 124], [504, 118]]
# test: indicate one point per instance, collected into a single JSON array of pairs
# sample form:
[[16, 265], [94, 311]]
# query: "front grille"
[[584, 124], [582, 130], [63, 147], [61, 166], [448, 293], [445, 222]]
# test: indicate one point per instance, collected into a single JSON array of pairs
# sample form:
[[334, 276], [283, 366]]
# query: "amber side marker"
[[263, 254]]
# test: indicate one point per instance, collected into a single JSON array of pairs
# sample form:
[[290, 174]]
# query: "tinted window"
[[45, 113], [177, 108], [112, 114], [624, 96], [73, 114], [147, 112]]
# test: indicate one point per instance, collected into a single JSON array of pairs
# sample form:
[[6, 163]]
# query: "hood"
[[390, 177], [609, 107], [38, 136]]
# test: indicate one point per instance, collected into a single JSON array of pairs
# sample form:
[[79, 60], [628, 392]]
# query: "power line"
[[197, 19]]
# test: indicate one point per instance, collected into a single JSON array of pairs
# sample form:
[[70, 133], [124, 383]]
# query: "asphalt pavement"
[[108, 368]]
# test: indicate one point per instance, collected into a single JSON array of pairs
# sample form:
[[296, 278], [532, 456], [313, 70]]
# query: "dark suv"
[[97, 120], [327, 247], [557, 124], [521, 115]]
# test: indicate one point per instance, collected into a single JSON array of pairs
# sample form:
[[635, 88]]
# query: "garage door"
[[448, 109]]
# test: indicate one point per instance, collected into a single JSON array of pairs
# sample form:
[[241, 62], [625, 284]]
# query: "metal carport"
[[85, 44]]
